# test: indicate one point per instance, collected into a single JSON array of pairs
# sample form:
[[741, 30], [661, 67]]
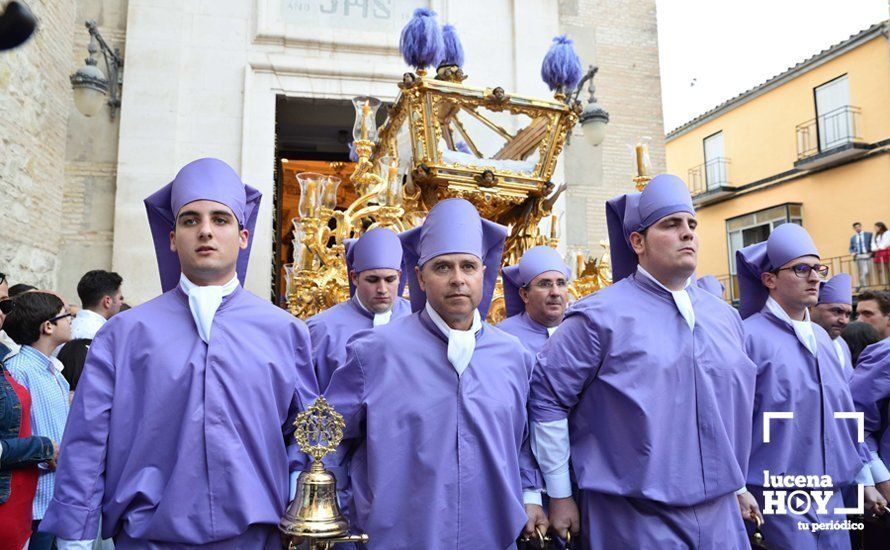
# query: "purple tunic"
[[179, 443], [435, 457], [790, 378], [532, 334], [333, 327], [659, 416], [871, 394]]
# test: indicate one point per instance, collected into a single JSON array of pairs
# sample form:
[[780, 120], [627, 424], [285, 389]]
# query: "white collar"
[[681, 297], [204, 301], [91, 316], [461, 343], [379, 318], [802, 329]]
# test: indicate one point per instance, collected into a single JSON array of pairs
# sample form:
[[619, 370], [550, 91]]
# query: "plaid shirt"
[[49, 409]]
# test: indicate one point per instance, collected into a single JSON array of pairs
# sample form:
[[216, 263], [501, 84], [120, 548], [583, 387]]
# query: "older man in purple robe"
[[374, 264], [178, 435], [832, 313], [647, 388], [802, 397], [435, 403], [535, 294], [870, 387]]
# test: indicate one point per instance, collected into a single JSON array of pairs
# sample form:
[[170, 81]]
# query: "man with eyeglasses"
[[181, 431], [535, 296], [38, 323], [832, 313], [646, 392], [801, 387]]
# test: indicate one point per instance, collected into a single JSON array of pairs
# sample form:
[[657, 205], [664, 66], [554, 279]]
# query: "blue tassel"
[[463, 148], [561, 69], [421, 42], [454, 51], [353, 155]]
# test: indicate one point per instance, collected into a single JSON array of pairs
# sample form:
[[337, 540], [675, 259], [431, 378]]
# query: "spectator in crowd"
[[860, 248], [20, 452], [39, 323], [874, 308], [858, 336], [20, 288], [881, 247], [101, 298]]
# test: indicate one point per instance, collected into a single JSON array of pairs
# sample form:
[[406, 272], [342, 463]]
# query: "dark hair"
[[97, 284], [859, 336], [856, 223], [20, 288], [881, 297], [32, 309], [881, 228]]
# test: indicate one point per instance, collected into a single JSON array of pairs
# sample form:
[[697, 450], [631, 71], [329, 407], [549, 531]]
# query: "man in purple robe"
[[832, 313], [180, 434], [435, 403], [535, 295], [870, 387], [374, 264], [801, 388], [647, 389]]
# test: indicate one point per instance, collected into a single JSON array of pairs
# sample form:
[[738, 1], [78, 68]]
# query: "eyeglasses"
[[547, 284], [6, 306], [60, 317], [803, 270]]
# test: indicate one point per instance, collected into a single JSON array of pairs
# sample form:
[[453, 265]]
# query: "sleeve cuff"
[[879, 470], [292, 488], [62, 544], [532, 497], [559, 484], [741, 491], [864, 476]]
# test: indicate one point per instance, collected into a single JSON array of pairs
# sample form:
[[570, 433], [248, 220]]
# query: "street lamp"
[[89, 82], [593, 117]]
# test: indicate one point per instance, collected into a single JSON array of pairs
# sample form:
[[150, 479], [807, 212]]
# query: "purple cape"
[[204, 179], [711, 284], [871, 393], [179, 442], [536, 260], [529, 332], [790, 378], [436, 459], [658, 415]]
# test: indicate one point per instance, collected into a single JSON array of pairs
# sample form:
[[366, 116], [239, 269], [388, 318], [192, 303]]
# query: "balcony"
[[709, 182], [829, 139]]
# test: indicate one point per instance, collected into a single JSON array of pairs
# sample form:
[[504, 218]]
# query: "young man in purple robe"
[[180, 434], [798, 373], [647, 389], [832, 313], [435, 403], [535, 294], [870, 387], [374, 265]]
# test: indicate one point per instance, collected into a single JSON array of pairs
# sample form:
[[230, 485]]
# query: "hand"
[[51, 463], [875, 503], [564, 516], [536, 519], [884, 488], [749, 508]]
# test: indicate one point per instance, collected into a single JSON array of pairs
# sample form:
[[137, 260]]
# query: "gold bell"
[[315, 512]]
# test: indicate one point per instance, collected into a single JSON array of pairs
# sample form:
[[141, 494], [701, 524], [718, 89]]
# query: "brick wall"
[[35, 102]]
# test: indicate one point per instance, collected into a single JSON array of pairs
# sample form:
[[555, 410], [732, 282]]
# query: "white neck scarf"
[[681, 297], [551, 330], [204, 301], [461, 343], [379, 318], [802, 329]]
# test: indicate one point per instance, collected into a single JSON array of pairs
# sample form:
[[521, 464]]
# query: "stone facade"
[[35, 102]]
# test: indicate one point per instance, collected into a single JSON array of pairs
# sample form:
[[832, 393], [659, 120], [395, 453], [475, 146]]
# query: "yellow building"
[[810, 146]]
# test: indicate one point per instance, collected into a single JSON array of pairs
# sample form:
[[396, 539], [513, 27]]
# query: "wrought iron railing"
[[709, 176], [828, 131]]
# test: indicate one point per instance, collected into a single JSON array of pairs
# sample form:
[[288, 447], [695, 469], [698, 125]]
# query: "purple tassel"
[[561, 69], [421, 43], [454, 51], [463, 148], [353, 156]]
